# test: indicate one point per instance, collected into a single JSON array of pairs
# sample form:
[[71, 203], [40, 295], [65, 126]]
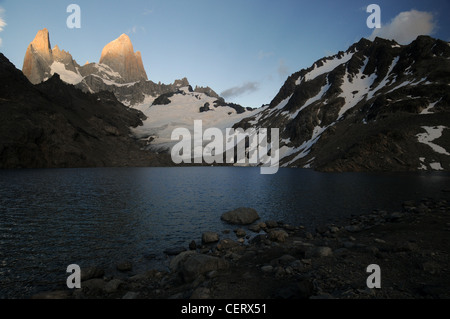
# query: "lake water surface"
[[50, 219]]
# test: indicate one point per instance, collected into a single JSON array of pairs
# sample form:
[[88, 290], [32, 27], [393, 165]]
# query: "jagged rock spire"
[[119, 55]]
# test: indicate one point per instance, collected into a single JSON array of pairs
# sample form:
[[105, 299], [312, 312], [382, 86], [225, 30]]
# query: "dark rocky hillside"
[[53, 124], [378, 106]]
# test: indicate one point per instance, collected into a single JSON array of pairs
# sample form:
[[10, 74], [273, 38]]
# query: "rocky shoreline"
[[273, 260]]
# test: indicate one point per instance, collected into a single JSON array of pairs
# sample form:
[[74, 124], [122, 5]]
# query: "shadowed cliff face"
[[120, 56], [53, 124]]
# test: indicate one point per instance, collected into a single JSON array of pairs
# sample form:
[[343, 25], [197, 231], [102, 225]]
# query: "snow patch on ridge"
[[67, 76], [432, 133]]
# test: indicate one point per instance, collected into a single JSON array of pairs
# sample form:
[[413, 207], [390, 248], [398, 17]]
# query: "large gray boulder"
[[241, 216], [198, 264]]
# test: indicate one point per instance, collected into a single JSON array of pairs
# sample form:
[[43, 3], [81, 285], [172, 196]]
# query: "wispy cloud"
[[136, 29], [147, 12], [240, 90], [264, 55], [2, 22], [406, 27]]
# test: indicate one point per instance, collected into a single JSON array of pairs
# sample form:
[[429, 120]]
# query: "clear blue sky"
[[249, 45]]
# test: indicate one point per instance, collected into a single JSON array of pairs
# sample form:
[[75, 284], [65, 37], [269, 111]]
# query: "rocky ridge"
[[366, 109], [53, 124], [120, 70]]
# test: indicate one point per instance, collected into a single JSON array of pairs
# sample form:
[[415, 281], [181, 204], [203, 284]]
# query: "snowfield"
[[183, 110]]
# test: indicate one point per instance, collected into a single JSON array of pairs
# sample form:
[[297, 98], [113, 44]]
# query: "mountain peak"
[[41, 42], [119, 55], [38, 58]]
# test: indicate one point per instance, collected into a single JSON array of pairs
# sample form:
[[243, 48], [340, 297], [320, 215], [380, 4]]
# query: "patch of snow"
[[355, 90], [305, 148], [386, 79], [405, 83], [311, 100], [106, 69], [427, 110], [328, 66], [436, 166], [283, 103], [67, 76], [432, 133]]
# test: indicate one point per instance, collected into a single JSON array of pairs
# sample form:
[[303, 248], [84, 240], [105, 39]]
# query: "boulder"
[[177, 260], [225, 244], [91, 273], [174, 251], [198, 264], [113, 285], [241, 216], [210, 237], [278, 235]]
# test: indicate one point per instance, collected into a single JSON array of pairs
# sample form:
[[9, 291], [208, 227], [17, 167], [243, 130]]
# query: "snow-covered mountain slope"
[[179, 110], [364, 109]]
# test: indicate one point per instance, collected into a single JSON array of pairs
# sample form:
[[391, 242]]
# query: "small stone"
[[353, 228], [193, 245], [283, 260], [379, 241], [262, 225], [201, 293], [321, 229], [334, 229], [240, 232], [124, 266], [271, 224], [319, 252], [131, 295], [55, 295], [267, 268], [255, 228]]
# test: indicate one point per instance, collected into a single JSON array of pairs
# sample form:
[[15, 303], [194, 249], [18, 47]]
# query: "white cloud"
[[2, 23], [240, 90], [264, 55], [406, 27]]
